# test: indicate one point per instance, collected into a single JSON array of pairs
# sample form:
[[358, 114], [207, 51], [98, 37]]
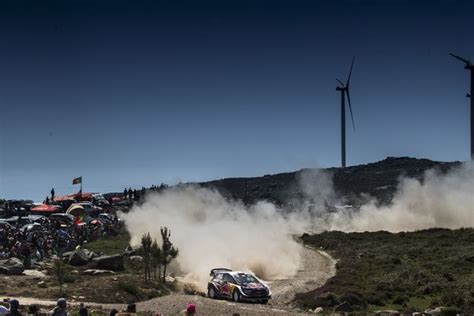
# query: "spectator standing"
[[83, 310], [60, 309], [14, 306]]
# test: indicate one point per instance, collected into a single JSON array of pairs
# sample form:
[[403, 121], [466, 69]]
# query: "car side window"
[[218, 277], [229, 278]]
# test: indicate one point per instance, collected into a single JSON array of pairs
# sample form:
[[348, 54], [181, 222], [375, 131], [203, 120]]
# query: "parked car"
[[17, 220], [91, 209], [62, 218], [106, 218], [238, 286], [4, 224]]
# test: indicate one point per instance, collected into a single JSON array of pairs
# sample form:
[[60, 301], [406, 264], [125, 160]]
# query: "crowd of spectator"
[[12, 308]]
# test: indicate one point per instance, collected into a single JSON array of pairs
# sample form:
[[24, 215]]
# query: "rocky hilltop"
[[351, 184]]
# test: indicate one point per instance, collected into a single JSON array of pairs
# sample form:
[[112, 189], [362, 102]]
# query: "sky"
[[135, 93]]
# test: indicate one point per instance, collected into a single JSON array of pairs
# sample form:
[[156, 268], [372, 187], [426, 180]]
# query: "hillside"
[[377, 179], [408, 271]]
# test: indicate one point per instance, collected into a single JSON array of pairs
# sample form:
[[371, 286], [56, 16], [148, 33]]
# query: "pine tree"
[[60, 273], [146, 246], [156, 258], [168, 251]]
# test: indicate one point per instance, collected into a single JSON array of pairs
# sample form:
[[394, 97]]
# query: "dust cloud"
[[212, 231], [439, 200]]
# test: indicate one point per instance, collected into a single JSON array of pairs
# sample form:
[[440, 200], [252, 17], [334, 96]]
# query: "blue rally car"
[[238, 286]]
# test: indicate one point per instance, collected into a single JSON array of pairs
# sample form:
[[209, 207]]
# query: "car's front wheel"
[[236, 295], [211, 292]]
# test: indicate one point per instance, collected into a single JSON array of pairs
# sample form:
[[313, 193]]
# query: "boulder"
[[387, 313], [67, 254], [12, 266], [114, 262], [97, 272], [90, 254], [35, 273], [136, 259], [79, 258]]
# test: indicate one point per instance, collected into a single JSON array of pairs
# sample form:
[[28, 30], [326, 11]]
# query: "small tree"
[[156, 259], [60, 273], [168, 252], [146, 246]]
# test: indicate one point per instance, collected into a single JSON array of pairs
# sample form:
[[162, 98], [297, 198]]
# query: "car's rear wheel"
[[236, 295], [211, 293], [264, 302]]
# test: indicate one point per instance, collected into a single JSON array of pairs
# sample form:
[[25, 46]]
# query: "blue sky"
[[137, 93]]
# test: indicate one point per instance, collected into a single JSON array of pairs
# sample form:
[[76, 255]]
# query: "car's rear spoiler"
[[216, 270]]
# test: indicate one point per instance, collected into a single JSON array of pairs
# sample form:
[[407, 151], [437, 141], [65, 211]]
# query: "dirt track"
[[316, 268]]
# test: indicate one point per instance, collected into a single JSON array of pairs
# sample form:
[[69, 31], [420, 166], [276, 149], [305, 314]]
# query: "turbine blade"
[[340, 82], [350, 73], [461, 59], [350, 108]]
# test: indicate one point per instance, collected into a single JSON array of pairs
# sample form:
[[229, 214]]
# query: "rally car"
[[238, 286]]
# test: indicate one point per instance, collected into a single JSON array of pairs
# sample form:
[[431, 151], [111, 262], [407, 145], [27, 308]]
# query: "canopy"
[[45, 208], [79, 197], [76, 210], [63, 198]]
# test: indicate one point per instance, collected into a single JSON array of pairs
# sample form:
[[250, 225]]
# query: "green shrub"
[[129, 288], [69, 278], [401, 300]]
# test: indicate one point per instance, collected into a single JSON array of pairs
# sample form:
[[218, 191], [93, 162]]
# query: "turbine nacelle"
[[344, 88], [341, 86]]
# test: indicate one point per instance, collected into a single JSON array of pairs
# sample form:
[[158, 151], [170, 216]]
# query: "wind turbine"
[[469, 66], [344, 89]]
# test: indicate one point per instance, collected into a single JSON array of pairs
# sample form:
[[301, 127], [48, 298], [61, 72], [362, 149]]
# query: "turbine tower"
[[344, 89], [469, 66]]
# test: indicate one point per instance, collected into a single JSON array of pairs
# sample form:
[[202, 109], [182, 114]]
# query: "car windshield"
[[243, 278]]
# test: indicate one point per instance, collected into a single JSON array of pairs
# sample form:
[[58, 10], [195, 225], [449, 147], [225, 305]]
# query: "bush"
[[401, 300], [129, 288], [68, 278], [354, 299]]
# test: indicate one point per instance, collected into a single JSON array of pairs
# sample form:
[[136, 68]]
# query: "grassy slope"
[[405, 271]]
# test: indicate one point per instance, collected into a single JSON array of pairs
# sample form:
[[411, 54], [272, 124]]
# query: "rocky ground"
[[316, 269]]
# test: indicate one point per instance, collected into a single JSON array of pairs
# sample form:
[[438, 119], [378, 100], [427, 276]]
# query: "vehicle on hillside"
[[62, 218], [90, 208], [17, 220], [106, 218], [4, 224], [238, 286], [99, 199]]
